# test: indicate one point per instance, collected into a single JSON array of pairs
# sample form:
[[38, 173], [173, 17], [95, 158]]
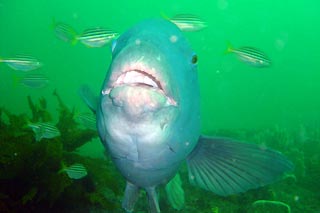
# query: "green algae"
[[30, 178]]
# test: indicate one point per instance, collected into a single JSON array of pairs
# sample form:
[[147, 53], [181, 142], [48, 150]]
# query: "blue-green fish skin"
[[97, 37], [251, 56], [150, 93], [36, 81], [188, 22], [148, 117], [75, 171], [22, 63], [44, 130]]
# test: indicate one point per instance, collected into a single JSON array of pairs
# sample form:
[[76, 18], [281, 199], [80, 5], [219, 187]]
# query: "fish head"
[[151, 89], [151, 69]]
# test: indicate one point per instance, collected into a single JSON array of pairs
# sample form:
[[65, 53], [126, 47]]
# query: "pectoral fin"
[[88, 97], [225, 166]]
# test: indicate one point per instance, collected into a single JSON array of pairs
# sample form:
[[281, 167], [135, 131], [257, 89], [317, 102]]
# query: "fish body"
[[251, 56], [148, 117], [149, 112], [36, 81], [143, 106], [22, 63], [188, 22], [75, 171], [44, 130], [97, 37], [65, 32], [88, 120]]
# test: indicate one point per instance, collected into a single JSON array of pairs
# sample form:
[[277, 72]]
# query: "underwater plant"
[[39, 111], [30, 179], [71, 135]]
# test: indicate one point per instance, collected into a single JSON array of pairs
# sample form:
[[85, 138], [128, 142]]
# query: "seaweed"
[[30, 179], [39, 111], [71, 135]]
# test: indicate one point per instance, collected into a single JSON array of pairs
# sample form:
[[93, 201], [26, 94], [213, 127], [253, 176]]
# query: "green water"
[[233, 94]]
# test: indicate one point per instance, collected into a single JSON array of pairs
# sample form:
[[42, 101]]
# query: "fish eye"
[[194, 59]]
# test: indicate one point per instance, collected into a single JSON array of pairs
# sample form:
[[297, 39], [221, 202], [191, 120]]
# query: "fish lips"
[[138, 92]]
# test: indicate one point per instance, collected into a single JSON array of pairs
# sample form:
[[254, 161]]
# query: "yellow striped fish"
[[44, 130], [36, 81], [74, 171], [251, 56], [188, 22], [65, 32], [22, 63], [97, 37]]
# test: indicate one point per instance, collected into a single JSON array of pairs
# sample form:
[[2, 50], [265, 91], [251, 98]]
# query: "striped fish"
[[44, 130], [97, 37], [88, 120], [75, 171], [188, 22], [22, 63], [36, 81], [251, 56], [65, 32]]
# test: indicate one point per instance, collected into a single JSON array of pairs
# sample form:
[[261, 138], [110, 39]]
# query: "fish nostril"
[[194, 59]]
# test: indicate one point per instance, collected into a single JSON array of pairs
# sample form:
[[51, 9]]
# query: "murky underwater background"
[[278, 106]]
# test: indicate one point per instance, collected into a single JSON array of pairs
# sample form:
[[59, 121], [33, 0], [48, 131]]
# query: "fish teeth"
[[134, 77], [149, 81]]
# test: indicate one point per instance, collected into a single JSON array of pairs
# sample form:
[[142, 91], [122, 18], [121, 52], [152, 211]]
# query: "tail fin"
[[63, 167], [64, 32], [16, 80], [27, 124], [229, 48], [75, 39], [53, 23], [163, 15]]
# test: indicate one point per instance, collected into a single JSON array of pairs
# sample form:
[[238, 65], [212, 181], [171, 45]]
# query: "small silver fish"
[[36, 81], [44, 130], [188, 22], [251, 56], [65, 32], [75, 171], [88, 120], [97, 37], [22, 63]]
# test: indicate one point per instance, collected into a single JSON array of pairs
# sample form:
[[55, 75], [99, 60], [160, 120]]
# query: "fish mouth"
[[138, 78], [141, 79]]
